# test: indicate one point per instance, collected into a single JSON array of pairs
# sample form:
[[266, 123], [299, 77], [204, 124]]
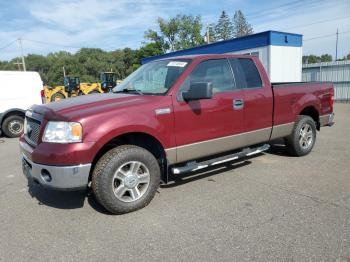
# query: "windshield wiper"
[[126, 90]]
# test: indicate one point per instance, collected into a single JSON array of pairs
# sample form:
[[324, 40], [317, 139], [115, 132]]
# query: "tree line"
[[87, 63], [186, 31], [311, 59], [176, 33]]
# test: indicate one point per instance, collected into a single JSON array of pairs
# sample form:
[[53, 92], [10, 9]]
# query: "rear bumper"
[[57, 177], [327, 120]]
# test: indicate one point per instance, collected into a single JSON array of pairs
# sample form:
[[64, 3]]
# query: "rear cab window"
[[246, 73]]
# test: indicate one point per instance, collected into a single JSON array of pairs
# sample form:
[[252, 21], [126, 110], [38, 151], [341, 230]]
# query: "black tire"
[[103, 180], [295, 141], [13, 126], [57, 97]]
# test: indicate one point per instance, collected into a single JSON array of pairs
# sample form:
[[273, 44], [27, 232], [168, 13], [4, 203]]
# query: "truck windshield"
[[154, 77]]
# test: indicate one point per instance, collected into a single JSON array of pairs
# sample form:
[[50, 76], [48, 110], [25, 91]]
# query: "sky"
[[52, 25]]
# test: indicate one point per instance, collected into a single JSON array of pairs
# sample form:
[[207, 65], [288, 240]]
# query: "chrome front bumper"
[[57, 177], [327, 120]]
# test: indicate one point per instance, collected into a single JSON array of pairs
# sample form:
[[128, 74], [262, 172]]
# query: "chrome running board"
[[194, 166]]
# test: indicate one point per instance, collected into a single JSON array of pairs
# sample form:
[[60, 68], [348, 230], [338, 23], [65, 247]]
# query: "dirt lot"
[[272, 207]]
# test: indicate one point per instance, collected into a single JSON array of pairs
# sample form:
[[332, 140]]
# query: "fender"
[[127, 130], [9, 111], [114, 124], [306, 101], [134, 129]]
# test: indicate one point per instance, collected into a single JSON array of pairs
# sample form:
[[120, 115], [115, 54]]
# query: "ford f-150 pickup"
[[170, 116]]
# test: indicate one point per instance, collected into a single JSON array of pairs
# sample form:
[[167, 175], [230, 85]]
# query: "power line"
[[9, 44], [258, 12], [323, 36], [290, 5], [50, 43], [319, 22]]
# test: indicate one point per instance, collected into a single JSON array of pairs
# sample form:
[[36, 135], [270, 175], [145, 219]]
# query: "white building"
[[280, 53]]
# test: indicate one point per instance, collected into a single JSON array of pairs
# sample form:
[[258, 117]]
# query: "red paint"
[[291, 100], [107, 116]]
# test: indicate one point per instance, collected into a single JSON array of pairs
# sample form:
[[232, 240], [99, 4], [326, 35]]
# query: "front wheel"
[[57, 97], [126, 179], [303, 137]]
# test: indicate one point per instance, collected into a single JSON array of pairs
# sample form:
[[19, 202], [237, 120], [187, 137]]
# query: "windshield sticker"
[[177, 63]]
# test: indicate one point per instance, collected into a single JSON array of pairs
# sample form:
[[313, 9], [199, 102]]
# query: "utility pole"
[[336, 46], [18, 65], [21, 47], [64, 71], [208, 39]]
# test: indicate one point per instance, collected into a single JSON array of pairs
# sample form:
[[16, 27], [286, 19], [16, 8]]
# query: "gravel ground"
[[272, 207]]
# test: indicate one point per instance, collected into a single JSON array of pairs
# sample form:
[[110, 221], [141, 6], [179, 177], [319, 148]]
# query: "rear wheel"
[[303, 137], [57, 97], [13, 126], [126, 179]]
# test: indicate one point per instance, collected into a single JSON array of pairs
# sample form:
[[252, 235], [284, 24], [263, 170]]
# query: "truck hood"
[[84, 106]]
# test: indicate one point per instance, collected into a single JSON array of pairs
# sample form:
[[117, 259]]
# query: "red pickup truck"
[[168, 117]]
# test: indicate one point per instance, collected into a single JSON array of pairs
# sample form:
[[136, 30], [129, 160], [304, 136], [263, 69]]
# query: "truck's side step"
[[193, 166]]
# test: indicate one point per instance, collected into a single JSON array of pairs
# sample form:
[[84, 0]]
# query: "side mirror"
[[198, 90]]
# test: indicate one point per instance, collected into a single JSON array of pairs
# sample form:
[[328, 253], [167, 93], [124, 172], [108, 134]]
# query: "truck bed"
[[290, 98]]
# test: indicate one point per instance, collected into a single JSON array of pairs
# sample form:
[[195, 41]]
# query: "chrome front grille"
[[32, 131]]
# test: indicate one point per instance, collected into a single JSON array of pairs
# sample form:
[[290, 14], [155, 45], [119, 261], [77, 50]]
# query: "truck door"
[[258, 100], [209, 126]]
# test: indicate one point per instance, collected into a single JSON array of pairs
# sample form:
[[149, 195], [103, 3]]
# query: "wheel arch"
[[10, 112], [312, 112], [141, 139]]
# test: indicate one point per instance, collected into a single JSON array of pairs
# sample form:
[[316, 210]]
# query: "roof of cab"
[[202, 56]]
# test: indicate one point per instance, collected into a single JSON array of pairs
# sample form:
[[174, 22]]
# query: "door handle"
[[238, 104]]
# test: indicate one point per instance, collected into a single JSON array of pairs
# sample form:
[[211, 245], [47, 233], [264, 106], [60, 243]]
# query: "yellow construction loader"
[[107, 83], [70, 88]]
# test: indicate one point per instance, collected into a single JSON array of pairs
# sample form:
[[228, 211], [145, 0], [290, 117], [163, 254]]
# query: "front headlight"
[[63, 132]]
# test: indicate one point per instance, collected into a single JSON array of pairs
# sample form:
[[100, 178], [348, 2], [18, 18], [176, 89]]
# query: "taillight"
[[331, 100], [42, 94]]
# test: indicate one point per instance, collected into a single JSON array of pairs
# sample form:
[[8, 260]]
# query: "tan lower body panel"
[[223, 144], [171, 155], [215, 146], [282, 130]]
